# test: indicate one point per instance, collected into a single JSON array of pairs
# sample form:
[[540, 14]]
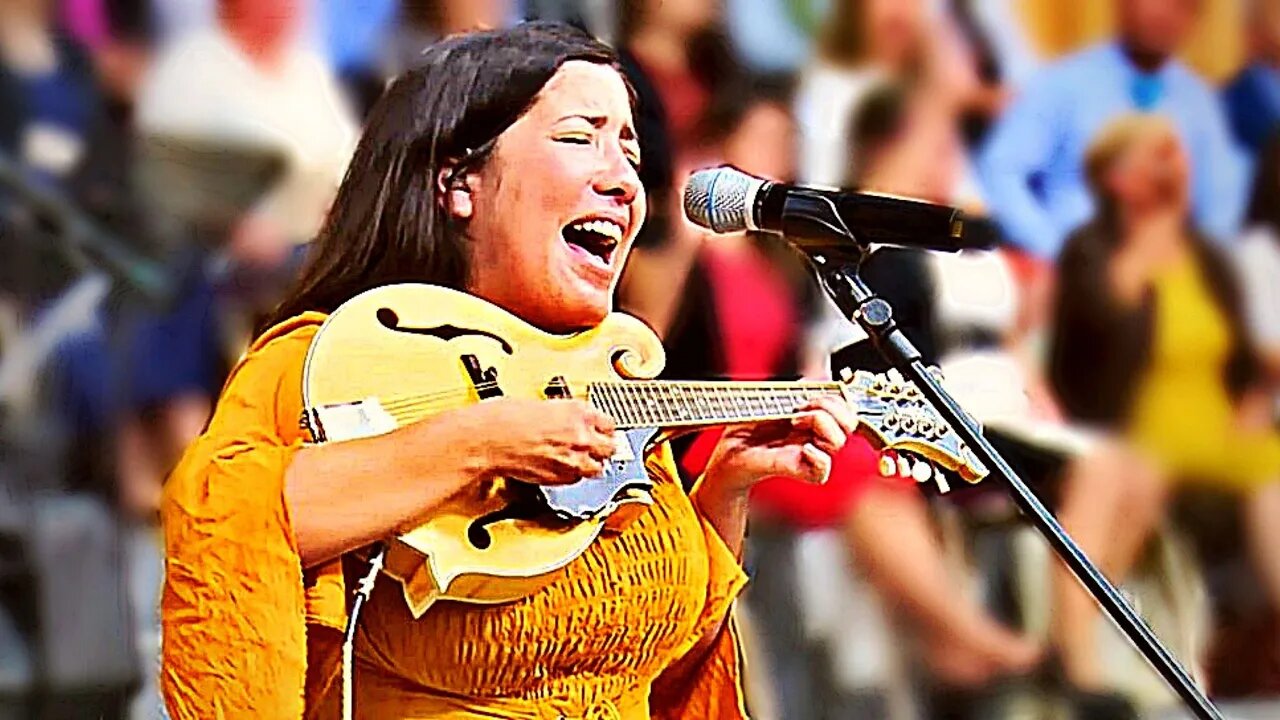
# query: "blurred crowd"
[[163, 164]]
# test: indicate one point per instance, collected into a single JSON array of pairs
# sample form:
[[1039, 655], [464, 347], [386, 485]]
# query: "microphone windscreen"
[[718, 199]]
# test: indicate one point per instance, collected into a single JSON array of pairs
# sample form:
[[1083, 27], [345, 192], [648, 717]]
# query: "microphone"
[[827, 222]]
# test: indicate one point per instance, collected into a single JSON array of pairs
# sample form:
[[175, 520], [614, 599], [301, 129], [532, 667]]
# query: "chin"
[[589, 314], [575, 313]]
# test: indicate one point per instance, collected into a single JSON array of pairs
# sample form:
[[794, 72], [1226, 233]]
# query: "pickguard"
[[591, 497], [391, 321]]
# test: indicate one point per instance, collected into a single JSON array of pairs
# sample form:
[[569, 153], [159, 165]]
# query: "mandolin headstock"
[[894, 410]]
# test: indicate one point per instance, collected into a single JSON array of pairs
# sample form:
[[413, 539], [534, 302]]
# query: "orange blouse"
[[248, 633]]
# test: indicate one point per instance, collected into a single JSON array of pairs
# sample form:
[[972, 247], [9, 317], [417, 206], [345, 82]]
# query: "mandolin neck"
[[651, 403]]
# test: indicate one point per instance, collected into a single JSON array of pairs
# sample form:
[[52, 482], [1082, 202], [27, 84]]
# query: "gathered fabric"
[[248, 633]]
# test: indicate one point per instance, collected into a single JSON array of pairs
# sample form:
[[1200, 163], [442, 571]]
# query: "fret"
[[595, 396], [597, 401], [677, 404], [700, 402], [624, 415], [665, 404], [662, 404], [601, 392], [652, 407], [697, 403], [635, 394], [776, 404], [687, 410], [623, 394], [719, 404], [788, 401]]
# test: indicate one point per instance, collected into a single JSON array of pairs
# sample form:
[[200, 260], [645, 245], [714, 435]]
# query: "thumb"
[[817, 464]]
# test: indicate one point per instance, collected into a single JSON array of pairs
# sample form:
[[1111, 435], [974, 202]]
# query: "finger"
[[592, 440], [604, 449], [600, 421], [824, 430], [841, 412], [583, 466], [600, 446], [817, 464]]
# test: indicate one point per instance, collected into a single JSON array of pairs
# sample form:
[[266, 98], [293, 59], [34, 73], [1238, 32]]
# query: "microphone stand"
[[859, 303]]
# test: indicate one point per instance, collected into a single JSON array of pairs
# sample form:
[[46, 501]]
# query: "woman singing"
[[469, 172]]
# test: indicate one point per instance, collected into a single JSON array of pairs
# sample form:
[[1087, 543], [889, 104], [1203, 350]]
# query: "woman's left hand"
[[801, 447]]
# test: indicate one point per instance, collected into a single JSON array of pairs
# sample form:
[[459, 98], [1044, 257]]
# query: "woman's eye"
[[575, 139]]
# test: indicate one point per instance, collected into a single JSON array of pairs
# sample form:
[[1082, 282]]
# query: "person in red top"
[[737, 308]]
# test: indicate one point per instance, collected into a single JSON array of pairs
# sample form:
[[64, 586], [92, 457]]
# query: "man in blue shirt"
[[1031, 167], [1253, 97]]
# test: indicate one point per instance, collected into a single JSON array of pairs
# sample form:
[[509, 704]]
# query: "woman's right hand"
[[549, 442]]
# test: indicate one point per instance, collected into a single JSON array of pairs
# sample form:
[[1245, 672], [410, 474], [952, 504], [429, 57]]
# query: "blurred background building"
[[163, 164]]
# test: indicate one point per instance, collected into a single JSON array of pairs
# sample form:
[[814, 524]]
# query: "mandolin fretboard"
[[674, 404]]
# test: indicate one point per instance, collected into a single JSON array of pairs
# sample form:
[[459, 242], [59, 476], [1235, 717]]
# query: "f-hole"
[[525, 506]]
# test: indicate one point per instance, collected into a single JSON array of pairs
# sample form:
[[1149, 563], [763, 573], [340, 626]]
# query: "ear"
[[455, 192]]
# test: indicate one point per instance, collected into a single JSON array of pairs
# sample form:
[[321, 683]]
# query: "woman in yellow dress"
[[1150, 337], [469, 172]]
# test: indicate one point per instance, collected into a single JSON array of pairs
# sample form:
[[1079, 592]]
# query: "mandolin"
[[401, 353]]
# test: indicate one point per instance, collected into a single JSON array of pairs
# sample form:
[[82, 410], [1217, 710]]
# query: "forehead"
[[581, 87]]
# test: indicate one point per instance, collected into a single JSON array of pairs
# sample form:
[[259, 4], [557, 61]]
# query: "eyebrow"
[[596, 120]]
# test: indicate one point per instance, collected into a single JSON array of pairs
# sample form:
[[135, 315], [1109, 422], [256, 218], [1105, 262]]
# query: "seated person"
[[966, 314], [1149, 340]]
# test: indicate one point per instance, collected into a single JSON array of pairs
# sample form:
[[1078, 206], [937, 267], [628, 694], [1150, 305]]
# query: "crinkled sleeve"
[[234, 604], [709, 684]]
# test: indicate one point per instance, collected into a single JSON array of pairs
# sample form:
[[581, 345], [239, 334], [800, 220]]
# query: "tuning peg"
[[888, 466], [904, 467], [922, 472]]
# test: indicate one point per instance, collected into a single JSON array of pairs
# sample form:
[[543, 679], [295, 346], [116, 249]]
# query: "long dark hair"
[[388, 222]]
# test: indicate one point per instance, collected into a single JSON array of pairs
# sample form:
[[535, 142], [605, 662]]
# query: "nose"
[[619, 178]]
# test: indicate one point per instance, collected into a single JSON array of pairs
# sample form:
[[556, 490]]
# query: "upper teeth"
[[607, 228]]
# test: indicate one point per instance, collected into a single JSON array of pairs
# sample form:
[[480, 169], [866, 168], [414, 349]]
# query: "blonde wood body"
[[402, 376]]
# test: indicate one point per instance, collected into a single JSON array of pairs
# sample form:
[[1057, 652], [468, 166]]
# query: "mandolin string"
[[423, 403], [666, 388]]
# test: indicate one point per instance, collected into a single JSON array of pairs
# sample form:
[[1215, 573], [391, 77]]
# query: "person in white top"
[[248, 80], [862, 43]]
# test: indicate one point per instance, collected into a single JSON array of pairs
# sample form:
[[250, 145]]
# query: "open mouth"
[[596, 238]]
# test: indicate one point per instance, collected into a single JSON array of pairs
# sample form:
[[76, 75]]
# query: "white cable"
[[364, 589]]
